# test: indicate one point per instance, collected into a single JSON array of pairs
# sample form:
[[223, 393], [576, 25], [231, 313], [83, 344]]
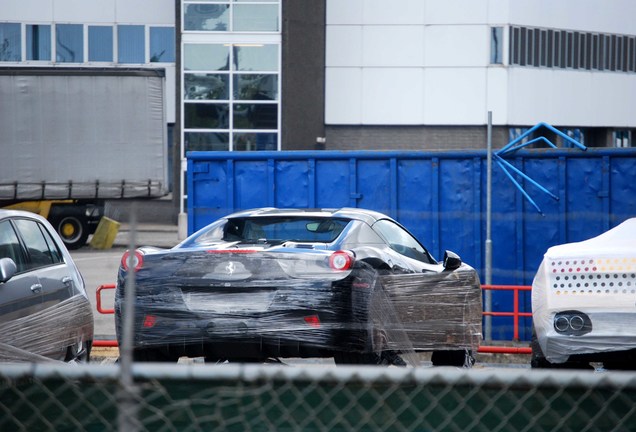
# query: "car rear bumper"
[[610, 332], [299, 333]]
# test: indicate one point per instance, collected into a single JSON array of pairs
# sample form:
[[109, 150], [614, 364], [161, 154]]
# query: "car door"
[[46, 260], [22, 295]]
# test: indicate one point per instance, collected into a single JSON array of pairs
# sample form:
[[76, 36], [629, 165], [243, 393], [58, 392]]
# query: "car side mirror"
[[452, 261], [7, 269]]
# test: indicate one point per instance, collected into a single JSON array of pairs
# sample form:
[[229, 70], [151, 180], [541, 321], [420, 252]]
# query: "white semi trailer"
[[72, 138]]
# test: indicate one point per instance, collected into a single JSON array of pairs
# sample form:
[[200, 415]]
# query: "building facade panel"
[[344, 46], [343, 96], [455, 96], [392, 96], [396, 12], [392, 46], [456, 46], [593, 99], [456, 11]]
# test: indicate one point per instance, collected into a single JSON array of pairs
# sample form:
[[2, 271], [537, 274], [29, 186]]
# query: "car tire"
[[73, 230], [153, 355], [456, 358], [79, 352], [538, 360], [386, 358], [624, 365], [356, 358]]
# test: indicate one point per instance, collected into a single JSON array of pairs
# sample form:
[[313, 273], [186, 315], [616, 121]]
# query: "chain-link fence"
[[193, 397]]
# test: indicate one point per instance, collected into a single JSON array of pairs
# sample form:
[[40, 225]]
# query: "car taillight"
[[341, 260], [149, 321], [135, 260], [313, 321]]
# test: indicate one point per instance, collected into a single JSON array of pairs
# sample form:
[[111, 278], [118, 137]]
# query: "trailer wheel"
[[72, 229]]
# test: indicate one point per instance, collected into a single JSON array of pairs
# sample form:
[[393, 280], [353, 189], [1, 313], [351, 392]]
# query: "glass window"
[[210, 17], [130, 44], [401, 241], [206, 57], [632, 54], [100, 43], [162, 44], [69, 43], [622, 138], [588, 51], [207, 141], [575, 47], [496, 45], [255, 87], [10, 42], [550, 49], [10, 245], [263, 58], [255, 17], [514, 45], [197, 86], [38, 42], [206, 115], [602, 49], [40, 253], [255, 141], [536, 47], [543, 48], [256, 116], [564, 58]]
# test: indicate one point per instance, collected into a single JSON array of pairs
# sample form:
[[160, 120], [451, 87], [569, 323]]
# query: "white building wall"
[[427, 62]]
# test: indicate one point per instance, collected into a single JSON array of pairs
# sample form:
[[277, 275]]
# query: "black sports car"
[[267, 283]]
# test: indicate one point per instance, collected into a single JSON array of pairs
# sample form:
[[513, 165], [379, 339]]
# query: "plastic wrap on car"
[[595, 278], [291, 304], [46, 335]]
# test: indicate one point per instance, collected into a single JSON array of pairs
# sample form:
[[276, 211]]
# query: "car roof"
[[368, 216]]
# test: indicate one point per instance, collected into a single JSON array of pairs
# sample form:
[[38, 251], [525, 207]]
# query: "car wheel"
[[72, 229], [619, 365], [349, 358], [153, 355], [456, 358], [538, 360], [79, 353], [385, 358]]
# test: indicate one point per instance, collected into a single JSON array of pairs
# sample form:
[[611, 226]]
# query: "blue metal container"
[[439, 196]]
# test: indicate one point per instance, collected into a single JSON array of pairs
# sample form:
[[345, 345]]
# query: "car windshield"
[[273, 230]]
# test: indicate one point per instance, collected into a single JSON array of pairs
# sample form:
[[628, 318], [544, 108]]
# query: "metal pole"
[[488, 293], [127, 419]]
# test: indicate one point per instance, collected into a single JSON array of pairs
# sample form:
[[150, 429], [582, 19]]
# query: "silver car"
[[44, 309]]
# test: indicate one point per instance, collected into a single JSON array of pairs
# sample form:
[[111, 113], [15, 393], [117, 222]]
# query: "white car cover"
[[596, 277]]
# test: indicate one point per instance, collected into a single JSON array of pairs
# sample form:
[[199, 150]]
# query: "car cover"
[[597, 278]]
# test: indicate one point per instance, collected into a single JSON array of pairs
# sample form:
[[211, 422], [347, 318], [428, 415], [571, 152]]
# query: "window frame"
[[249, 137]]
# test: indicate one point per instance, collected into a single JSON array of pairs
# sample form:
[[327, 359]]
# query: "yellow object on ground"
[[105, 233]]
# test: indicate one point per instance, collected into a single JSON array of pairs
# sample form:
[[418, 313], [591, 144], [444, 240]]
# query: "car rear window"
[[278, 229]]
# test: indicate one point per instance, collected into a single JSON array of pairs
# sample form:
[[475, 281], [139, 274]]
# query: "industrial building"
[[356, 74]]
